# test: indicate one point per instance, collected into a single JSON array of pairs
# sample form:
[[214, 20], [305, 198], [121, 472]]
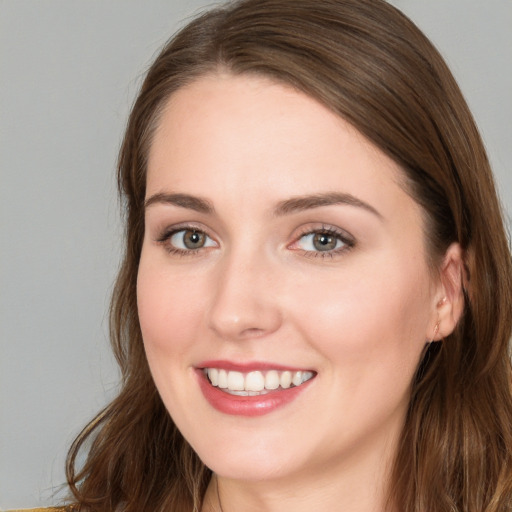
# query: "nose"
[[245, 303]]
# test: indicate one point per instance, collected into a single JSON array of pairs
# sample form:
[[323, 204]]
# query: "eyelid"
[[168, 230]]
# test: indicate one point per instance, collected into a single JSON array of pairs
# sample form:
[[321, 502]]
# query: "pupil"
[[193, 239], [324, 242]]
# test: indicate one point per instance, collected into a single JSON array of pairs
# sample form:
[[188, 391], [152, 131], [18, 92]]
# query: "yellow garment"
[[50, 509]]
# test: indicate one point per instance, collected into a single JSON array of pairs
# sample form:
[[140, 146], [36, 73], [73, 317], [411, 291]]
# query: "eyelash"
[[340, 235], [165, 240]]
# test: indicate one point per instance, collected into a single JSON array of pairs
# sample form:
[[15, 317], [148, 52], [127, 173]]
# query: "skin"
[[258, 290]]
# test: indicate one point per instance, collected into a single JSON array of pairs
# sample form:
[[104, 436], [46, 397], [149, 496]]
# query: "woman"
[[314, 303]]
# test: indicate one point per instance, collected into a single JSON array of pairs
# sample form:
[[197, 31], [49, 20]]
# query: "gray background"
[[68, 73]]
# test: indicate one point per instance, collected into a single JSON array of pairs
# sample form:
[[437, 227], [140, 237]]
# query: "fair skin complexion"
[[235, 268]]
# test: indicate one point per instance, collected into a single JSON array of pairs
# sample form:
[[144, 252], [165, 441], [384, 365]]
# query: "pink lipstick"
[[251, 389]]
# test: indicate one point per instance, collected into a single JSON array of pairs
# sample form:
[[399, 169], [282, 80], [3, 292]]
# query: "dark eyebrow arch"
[[183, 200], [301, 203]]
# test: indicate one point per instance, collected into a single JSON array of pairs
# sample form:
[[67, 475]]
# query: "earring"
[[436, 331], [442, 302]]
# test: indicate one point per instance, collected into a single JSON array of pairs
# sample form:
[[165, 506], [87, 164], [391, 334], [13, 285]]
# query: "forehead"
[[257, 139]]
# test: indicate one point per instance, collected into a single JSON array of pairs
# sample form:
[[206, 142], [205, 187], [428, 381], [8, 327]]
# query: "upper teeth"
[[256, 381]]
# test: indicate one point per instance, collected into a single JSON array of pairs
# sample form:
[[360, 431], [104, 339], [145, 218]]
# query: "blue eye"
[[189, 240]]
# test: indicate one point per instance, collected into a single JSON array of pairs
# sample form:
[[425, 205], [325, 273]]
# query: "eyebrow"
[[301, 203], [184, 200], [286, 207]]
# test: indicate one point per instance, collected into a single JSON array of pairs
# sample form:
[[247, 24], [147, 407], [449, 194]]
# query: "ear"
[[449, 296]]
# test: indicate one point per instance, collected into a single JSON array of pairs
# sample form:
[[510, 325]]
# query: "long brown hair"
[[368, 63]]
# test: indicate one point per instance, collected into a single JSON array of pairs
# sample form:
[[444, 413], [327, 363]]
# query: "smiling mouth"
[[255, 383]]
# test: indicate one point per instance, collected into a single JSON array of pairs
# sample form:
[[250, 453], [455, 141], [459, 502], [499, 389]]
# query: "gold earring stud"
[[436, 332]]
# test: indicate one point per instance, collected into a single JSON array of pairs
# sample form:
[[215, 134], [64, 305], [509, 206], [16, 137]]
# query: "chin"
[[249, 458], [251, 469]]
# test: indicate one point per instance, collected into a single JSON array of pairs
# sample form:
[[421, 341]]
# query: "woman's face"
[[282, 256]]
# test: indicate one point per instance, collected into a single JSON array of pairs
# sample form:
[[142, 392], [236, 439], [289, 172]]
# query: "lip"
[[250, 406], [247, 366]]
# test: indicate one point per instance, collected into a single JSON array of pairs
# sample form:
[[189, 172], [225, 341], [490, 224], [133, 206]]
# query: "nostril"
[[252, 332]]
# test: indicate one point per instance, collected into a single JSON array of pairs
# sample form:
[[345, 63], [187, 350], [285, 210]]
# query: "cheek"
[[381, 312], [169, 307], [371, 333]]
